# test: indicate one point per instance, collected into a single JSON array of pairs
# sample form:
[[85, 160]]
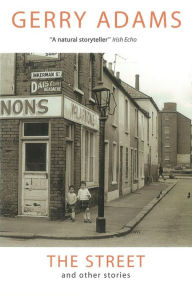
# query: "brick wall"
[[9, 155], [184, 134]]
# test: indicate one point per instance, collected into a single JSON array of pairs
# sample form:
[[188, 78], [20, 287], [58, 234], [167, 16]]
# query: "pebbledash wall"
[[49, 131]]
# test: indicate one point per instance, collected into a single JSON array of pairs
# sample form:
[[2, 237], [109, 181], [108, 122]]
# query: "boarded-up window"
[[7, 73]]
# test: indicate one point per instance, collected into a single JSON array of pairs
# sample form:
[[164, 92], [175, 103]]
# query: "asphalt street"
[[168, 224]]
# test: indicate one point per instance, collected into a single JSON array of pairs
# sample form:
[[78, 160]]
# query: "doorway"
[[35, 178]]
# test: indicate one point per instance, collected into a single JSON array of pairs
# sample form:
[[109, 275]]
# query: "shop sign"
[[46, 75], [30, 107], [78, 113], [33, 56], [43, 87]]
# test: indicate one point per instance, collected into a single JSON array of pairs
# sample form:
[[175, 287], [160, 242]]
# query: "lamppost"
[[103, 98]]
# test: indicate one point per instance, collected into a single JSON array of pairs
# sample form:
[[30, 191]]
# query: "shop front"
[[47, 144]]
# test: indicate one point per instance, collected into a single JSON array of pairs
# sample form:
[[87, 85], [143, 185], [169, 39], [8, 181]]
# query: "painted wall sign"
[[33, 56], [46, 75], [30, 107], [42, 87], [78, 113]]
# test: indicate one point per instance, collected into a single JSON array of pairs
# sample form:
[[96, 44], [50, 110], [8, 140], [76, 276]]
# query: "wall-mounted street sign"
[[30, 107], [33, 56], [46, 75], [78, 113], [43, 87]]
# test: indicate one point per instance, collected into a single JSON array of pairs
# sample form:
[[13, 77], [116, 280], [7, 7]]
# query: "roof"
[[120, 86], [137, 94]]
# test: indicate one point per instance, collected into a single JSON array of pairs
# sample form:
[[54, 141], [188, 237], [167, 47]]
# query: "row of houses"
[[50, 132]]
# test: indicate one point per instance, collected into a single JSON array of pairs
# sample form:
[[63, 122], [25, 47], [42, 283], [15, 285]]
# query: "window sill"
[[114, 125], [136, 137], [114, 182], [77, 90]]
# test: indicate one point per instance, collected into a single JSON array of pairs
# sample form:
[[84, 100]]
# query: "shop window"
[[126, 163], [36, 129], [35, 156], [90, 156], [69, 132], [114, 163]]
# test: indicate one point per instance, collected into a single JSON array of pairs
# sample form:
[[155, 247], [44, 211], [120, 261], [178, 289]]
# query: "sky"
[[167, 78]]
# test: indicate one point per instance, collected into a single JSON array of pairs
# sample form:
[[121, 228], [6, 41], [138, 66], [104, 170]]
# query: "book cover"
[[95, 147]]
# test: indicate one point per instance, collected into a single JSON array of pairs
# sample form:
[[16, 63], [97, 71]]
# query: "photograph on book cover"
[[89, 153], [95, 124]]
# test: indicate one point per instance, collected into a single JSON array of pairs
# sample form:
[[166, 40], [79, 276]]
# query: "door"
[[35, 178], [121, 172]]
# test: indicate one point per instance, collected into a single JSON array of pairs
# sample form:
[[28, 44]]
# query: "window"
[[167, 130], [141, 164], [152, 123], [69, 131], [136, 122], [7, 73], [115, 116], [167, 157], [35, 156], [90, 156], [126, 115], [142, 127], [36, 129], [76, 72], [126, 163], [135, 165], [156, 126], [91, 76], [114, 163]]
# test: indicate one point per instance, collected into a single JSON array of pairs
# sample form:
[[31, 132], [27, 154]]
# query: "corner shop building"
[[47, 143]]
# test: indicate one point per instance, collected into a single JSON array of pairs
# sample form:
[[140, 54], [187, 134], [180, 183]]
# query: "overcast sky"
[[165, 74]]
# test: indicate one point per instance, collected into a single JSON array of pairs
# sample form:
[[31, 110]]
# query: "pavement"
[[121, 215]]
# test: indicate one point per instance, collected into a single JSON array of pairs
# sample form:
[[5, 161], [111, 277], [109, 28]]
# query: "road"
[[168, 224]]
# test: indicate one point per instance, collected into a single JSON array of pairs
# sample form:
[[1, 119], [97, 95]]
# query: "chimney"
[[137, 82], [110, 66], [170, 107], [118, 75]]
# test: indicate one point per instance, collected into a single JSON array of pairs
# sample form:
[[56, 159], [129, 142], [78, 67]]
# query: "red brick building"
[[49, 130], [174, 137]]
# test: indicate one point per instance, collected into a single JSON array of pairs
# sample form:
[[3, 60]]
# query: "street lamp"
[[103, 98]]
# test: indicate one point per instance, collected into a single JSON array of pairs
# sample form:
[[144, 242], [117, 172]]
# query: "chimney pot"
[[118, 75], [110, 66]]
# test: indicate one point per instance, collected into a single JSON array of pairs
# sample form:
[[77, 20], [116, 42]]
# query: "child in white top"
[[71, 201], [84, 196]]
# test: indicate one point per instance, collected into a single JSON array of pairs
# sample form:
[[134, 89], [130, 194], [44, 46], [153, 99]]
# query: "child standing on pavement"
[[71, 201], [84, 196]]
